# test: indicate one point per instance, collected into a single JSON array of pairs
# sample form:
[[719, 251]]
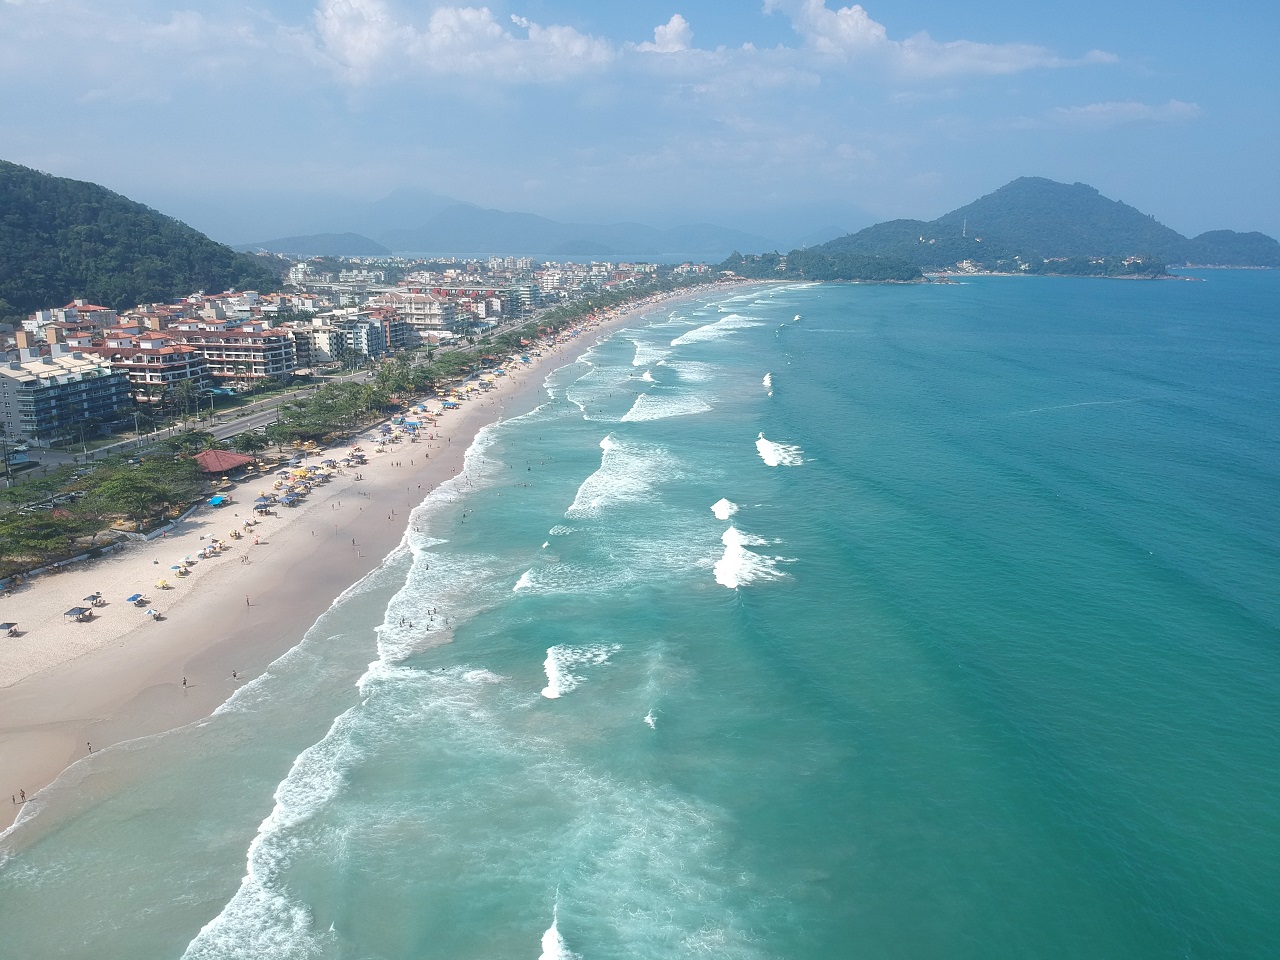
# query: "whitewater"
[[748, 642]]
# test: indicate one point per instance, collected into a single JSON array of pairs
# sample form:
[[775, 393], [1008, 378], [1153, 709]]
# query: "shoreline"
[[70, 689]]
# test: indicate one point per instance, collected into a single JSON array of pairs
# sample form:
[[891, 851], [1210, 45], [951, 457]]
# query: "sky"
[[782, 117]]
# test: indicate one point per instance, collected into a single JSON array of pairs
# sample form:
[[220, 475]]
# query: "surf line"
[[1070, 406]]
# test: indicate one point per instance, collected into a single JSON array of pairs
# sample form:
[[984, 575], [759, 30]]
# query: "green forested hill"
[[61, 239], [1037, 219]]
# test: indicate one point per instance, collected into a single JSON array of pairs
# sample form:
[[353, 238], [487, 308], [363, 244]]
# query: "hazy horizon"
[[780, 118]]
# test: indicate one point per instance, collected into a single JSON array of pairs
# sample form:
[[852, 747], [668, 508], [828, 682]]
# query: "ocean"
[[799, 621]]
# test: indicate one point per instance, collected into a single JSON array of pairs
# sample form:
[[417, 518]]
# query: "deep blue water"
[[801, 622]]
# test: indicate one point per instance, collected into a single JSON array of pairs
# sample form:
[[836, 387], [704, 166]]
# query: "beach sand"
[[67, 688]]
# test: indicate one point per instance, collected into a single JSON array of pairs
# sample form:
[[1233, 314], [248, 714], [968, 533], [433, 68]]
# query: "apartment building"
[[153, 362], [239, 355], [49, 397]]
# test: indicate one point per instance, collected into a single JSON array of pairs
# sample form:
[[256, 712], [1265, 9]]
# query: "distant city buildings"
[[85, 364]]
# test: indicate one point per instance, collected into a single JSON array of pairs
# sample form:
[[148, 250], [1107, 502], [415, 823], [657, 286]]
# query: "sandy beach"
[[69, 688]]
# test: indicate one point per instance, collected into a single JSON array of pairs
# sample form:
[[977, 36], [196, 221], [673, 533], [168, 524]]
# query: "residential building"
[[239, 356], [423, 312], [58, 395], [153, 362]]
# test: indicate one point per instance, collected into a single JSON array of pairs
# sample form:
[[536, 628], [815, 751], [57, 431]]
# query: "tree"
[[189, 442], [251, 441], [184, 394]]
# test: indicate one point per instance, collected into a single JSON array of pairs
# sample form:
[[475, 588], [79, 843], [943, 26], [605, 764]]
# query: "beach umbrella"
[[134, 599]]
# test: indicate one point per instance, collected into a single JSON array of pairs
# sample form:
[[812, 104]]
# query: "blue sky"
[[776, 116]]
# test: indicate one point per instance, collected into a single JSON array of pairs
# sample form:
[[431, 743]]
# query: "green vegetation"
[[1226, 248], [65, 239], [1097, 267], [64, 513], [1033, 220], [814, 264]]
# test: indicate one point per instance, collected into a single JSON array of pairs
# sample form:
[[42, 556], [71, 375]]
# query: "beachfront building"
[[239, 356], [425, 313], [153, 362], [46, 397]]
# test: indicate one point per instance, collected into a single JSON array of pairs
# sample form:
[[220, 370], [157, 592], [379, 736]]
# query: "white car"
[[21, 448]]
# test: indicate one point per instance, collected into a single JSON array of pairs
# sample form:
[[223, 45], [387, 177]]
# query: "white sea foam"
[[724, 509], [553, 945], [768, 383], [690, 371], [779, 454], [648, 376], [647, 353], [661, 406], [259, 921], [739, 566], [651, 720], [525, 581], [723, 327], [560, 530], [561, 660], [628, 473]]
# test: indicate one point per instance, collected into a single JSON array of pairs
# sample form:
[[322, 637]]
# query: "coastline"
[[69, 689]]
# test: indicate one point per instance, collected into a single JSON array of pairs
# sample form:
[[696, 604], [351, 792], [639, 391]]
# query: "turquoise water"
[[804, 622]]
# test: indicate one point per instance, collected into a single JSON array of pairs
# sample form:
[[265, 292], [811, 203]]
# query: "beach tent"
[[217, 501], [79, 613], [8, 629]]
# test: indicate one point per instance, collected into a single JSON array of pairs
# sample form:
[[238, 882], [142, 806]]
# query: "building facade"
[[56, 396]]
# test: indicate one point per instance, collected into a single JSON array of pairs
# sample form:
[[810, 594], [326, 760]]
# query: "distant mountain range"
[[1036, 219], [61, 239], [423, 224]]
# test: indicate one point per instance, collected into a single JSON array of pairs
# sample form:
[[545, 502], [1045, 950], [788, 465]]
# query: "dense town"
[[80, 370]]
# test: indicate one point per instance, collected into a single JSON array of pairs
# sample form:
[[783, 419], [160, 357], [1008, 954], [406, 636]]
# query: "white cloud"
[[358, 34], [671, 37], [849, 33], [367, 42], [1114, 113], [842, 32]]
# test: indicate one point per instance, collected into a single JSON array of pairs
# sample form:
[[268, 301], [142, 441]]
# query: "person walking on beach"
[[184, 683]]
